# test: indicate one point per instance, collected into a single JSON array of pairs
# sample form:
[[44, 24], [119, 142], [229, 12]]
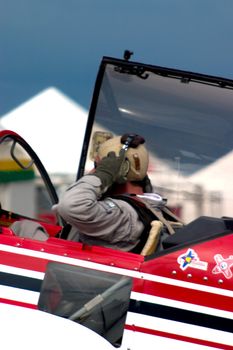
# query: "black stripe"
[[140, 307], [179, 315], [22, 282]]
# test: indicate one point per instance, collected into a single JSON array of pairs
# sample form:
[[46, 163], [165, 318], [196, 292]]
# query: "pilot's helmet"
[[137, 155]]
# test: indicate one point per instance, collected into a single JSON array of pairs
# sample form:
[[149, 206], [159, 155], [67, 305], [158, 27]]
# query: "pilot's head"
[[137, 157]]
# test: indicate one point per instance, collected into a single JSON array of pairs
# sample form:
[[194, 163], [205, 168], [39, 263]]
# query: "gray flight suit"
[[107, 222]]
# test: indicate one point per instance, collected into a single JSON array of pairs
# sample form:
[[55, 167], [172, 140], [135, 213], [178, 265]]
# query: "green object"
[[112, 169], [16, 175]]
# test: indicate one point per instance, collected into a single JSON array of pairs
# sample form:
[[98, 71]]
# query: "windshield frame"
[[139, 69], [186, 120], [7, 134]]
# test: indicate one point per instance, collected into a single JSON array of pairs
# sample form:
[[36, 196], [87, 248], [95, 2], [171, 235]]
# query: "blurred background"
[[60, 42]]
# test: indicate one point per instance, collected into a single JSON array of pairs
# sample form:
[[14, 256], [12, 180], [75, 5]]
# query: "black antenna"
[[127, 54]]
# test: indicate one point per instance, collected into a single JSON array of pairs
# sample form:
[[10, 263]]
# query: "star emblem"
[[223, 265], [191, 259]]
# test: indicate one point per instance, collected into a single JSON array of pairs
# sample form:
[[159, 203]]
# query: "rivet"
[[205, 278], [65, 254], [18, 244], [189, 275], [112, 264], [42, 249], [220, 281], [174, 272]]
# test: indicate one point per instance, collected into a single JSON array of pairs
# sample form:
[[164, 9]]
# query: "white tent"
[[54, 126], [212, 175], [217, 179]]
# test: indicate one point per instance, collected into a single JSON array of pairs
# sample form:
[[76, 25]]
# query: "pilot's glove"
[[112, 169]]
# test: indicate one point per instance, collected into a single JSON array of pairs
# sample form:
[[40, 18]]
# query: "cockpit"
[[186, 119]]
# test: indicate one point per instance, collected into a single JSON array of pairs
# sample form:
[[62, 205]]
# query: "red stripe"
[[188, 295], [23, 261], [178, 337], [18, 303]]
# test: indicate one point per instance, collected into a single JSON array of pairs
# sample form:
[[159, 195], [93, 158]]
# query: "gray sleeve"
[[29, 229], [110, 220]]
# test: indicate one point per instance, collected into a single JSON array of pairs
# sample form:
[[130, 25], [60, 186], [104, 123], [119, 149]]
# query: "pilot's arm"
[[108, 222]]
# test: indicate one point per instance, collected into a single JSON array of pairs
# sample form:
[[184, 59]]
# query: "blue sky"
[[61, 42]]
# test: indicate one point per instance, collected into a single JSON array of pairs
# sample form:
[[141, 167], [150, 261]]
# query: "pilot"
[[93, 205]]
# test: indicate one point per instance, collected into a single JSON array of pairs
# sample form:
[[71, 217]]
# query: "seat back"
[[153, 238]]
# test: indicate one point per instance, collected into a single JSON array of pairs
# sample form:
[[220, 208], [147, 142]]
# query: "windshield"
[[187, 123], [23, 188], [96, 299]]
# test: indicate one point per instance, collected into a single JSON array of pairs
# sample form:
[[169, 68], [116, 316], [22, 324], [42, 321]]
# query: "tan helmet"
[[138, 157]]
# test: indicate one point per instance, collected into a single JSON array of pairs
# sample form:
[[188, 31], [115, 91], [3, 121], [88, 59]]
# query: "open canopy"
[[186, 119]]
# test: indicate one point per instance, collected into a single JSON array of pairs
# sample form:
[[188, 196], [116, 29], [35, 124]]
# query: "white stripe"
[[131, 273], [17, 294], [21, 272], [138, 341], [67, 260], [179, 328], [188, 285], [181, 305]]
